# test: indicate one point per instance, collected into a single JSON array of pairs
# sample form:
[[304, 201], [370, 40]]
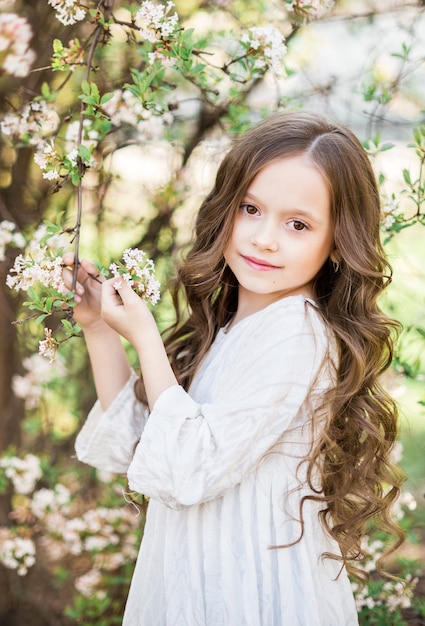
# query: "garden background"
[[113, 117]]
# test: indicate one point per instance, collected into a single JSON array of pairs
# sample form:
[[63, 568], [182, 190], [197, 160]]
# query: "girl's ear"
[[335, 256]]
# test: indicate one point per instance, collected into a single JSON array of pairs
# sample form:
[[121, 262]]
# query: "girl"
[[260, 431]]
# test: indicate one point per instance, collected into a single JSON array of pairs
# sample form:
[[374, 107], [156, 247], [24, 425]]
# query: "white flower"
[[90, 137], [17, 553], [270, 43], [159, 56], [30, 385], [312, 9], [138, 272], [48, 346], [88, 583], [9, 237], [154, 22], [23, 473], [39, 264], [15, 35], [34, 121], [68, 12], [46, 501]]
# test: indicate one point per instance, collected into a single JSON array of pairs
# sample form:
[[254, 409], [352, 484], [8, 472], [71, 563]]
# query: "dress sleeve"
[[192, 452], [108, 438]]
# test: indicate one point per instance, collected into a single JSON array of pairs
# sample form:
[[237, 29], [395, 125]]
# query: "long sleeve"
[[192, 451], [108, 438]]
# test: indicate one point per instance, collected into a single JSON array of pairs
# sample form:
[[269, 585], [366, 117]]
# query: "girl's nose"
[[265, 238]]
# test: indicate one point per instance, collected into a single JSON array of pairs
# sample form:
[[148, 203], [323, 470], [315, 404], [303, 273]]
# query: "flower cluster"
[[48, 346], [310, 9], [38, 373], [124, 108], [48, 160], [16, 57], [95, 532], [89, 584], [54, 164], [9, 237], [267, 45], [154, 22], [40, 266], [68, 12], [406, 500], [107, 536], [23, 473], [35, 121], [390, 211], [48, 501], [16, 552], [39, 270], [138, 272], [90, 136], [392, 595]]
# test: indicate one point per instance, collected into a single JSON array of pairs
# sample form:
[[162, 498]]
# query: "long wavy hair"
[[359, 482]]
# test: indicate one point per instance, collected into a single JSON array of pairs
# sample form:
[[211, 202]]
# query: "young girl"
[[260, 432]]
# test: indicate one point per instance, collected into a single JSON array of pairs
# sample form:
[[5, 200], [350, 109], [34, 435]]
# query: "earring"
[[336, 266]]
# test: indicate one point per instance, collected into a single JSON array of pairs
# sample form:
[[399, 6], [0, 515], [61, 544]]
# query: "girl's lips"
[[259, 264]]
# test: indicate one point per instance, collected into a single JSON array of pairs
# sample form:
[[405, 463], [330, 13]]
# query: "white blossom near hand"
[[138, 272]]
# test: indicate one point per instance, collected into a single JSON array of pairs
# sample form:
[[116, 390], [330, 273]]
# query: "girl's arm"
[[109, 362], [260, 396], [129, 316], [110, 366]]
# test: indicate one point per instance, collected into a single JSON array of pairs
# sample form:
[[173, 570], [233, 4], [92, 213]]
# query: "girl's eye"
[[249, 209], [298, 226]]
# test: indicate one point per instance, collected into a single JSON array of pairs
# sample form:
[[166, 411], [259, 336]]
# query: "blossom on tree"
[[16, 57], [31, 124], [23, 473], [154, 22], [16, 552], [267, 46], [39, 266], [310, 9], [30, 386], [138, 272], [68, 12], [9, 236]]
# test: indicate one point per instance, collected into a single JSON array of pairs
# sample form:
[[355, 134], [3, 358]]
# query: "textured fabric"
[[221, 466]]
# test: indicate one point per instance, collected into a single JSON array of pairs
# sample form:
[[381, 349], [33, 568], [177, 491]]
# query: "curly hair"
[[359, 482]]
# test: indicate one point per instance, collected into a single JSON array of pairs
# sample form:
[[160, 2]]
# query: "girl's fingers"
[[67, 277], [114, 291], [91, 269]]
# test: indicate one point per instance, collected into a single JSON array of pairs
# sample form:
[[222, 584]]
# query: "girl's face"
[[282, 234]]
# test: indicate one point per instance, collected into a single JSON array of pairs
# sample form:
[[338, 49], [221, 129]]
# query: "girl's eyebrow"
[[301, 212]]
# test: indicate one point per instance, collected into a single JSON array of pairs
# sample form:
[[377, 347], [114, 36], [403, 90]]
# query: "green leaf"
[[85, 86], [106, 97], [406, 176], [85, 152], [41, 318], [57, 46]]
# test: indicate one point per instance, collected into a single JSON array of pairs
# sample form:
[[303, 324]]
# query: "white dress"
[[219, 465]]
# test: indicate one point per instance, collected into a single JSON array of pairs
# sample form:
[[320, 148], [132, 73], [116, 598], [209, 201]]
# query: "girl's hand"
[[125, 312], [87, 294]]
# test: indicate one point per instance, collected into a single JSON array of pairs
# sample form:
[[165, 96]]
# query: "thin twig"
[[81, 167]]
